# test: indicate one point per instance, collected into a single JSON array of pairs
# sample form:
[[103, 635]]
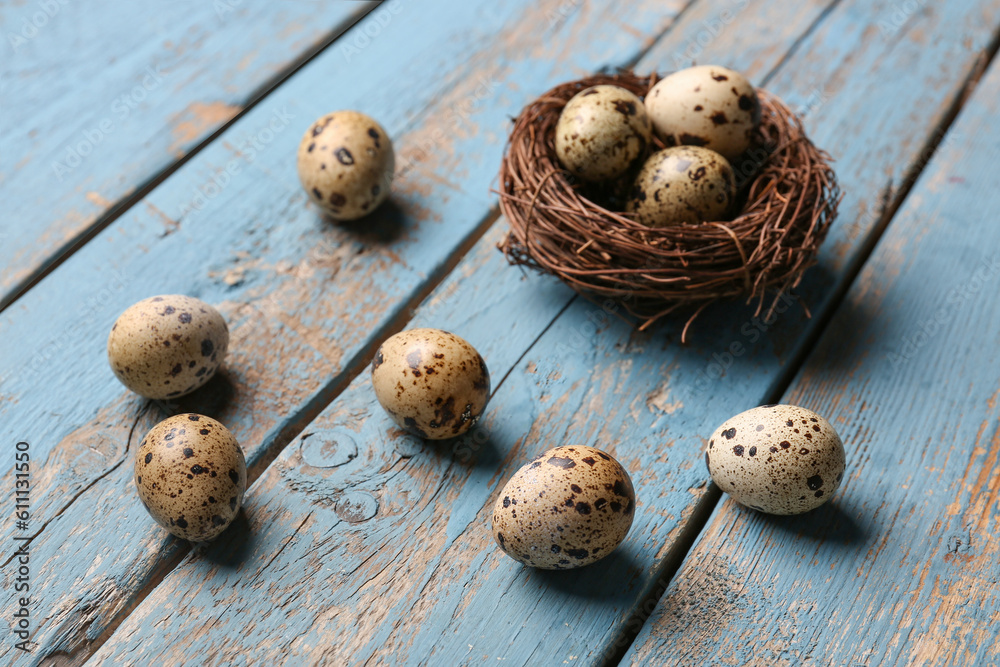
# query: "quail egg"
[[602, 132], [683, 184], [346, 164], [167, 346], [191, 475], [568, 508], [432, 383], [706, 106], [779, 459]]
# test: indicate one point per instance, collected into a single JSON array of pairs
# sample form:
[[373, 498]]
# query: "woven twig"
[[788, 196]]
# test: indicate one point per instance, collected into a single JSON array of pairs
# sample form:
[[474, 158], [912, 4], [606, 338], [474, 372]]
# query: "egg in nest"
[[684, 184], [709, 106], [601, 133]]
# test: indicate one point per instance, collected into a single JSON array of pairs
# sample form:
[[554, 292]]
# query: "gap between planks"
[[60, 254], [890, 204]]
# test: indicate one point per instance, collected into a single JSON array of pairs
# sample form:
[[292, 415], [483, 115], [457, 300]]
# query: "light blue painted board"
[[306, 299], [345, 579], [420, 580], [100, 98], [900, 568]]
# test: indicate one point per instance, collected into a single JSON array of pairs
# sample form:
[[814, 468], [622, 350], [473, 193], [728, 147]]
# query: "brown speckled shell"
[[167, 346], [191, 475], [431, 382], [706, 106], [346, 164], [602, 132], [779, 459], [568, 508], [684, 184]]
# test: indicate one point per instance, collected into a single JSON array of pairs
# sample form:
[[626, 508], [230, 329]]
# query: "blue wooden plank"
[[425, 500], [306, 299], [901, 568], [100, 98], [416, 577]]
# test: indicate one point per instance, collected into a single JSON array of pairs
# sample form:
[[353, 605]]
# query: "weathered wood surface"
[[901, 568], [306, 299], [101, 98], [364, 546]]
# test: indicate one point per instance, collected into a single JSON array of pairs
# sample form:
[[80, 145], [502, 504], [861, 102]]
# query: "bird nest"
[[787, 198]]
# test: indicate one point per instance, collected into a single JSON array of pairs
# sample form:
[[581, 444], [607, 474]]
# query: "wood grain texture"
[[901, 567], [386, 555], [305, 299], [100, 99]]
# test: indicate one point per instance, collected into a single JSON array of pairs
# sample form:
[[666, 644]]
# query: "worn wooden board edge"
[[261, 288], [105, 101], [900, 567], [449, 628]]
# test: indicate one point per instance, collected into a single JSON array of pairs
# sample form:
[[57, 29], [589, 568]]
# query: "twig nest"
[[786, 196]]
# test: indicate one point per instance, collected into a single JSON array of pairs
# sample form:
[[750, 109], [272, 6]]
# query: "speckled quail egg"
[[684, 184], [346, 164], [602, 132], [706, 106], [167, 346], [568, 508], [191, 474], [779, 459], [432, 383]]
